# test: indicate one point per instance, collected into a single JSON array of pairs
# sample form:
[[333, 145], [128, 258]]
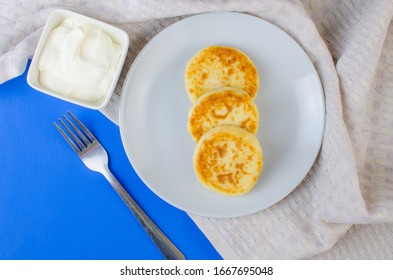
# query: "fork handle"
[[166, 247]]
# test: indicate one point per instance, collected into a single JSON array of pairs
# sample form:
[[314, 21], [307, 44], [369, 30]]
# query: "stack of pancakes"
[[222, 83]]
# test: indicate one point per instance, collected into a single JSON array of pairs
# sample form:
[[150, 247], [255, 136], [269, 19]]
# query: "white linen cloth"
[[343, 209]]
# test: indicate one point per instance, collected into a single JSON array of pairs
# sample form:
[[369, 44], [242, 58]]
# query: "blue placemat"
[[53, 207]]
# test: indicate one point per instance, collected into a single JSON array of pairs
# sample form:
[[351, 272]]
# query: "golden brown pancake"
[[228, 160], [219, 66], [224, 106]]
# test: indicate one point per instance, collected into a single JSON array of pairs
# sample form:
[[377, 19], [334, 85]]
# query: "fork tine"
[[83, 137], [78, 142], [65, 136], [85, 130]]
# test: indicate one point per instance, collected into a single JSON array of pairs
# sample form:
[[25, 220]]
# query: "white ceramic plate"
[[154, 109]]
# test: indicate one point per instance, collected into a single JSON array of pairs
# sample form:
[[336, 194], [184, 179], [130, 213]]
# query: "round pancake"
[[224, 106], [228, 160], [219, 66]]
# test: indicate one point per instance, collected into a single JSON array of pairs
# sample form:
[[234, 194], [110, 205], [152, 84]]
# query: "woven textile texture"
[[343, 209]]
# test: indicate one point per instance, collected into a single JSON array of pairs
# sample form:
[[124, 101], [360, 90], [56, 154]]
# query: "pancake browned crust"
[[224, 106], [219, 66], [228, 160]]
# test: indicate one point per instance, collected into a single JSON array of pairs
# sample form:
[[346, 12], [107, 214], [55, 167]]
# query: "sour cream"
[[78, 61]]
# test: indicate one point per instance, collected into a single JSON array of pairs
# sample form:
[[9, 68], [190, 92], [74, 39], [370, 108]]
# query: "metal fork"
[[94, 156]]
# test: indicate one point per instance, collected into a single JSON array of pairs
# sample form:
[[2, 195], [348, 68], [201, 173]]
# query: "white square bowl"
[[116, 34]]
